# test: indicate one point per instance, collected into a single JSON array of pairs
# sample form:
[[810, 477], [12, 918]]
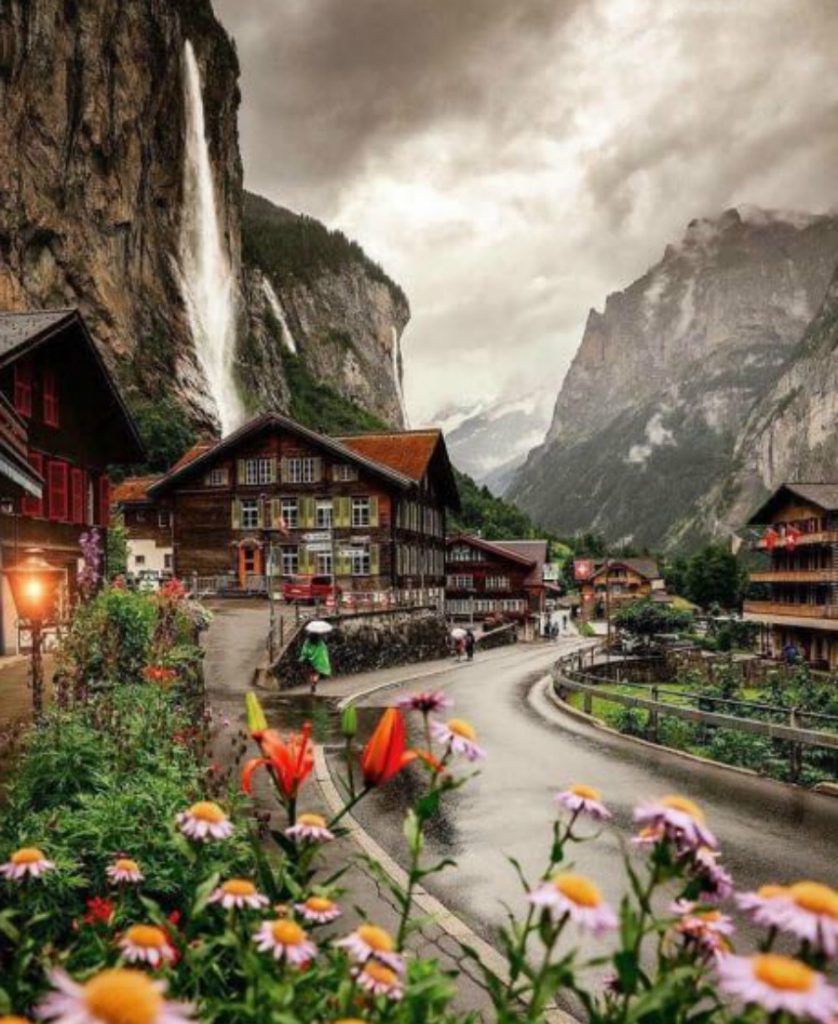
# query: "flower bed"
[[134, 892]]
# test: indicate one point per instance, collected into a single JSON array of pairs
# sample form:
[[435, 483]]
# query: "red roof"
[[408, 452], [194, 452], [133, 489]]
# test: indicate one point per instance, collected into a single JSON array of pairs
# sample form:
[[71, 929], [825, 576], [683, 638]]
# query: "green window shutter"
[[307, 512], [375, 560], [342, 511], [240, 471], [237, 514], [283, 470], [343, 565], [318, 470], [272, 472], [373, 511], [276, 513], [260, 511]]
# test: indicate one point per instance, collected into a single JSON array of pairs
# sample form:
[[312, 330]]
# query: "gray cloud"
[[511, 162]]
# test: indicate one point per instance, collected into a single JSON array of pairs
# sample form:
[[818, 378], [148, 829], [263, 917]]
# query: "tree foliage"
[[645, 618], [493, 518]]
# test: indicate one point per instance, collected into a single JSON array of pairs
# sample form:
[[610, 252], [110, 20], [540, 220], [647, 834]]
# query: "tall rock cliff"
[[94, 190], [648, 417]]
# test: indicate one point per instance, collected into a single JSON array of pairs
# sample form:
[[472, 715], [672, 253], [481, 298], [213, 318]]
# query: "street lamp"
[[34, 584]]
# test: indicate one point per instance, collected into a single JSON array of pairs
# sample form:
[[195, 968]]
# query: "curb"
[[430, 905]]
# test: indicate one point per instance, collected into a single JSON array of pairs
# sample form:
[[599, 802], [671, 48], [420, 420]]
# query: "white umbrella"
[[458, 632], [319, 627]]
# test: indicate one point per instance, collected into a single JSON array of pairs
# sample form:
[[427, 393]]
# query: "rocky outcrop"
[[93, 134], [648, 418], [91, 181]]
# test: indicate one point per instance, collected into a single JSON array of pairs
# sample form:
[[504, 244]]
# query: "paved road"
[[767, 832]]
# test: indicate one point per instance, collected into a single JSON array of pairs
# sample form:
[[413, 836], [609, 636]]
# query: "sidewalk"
[[15, 688]]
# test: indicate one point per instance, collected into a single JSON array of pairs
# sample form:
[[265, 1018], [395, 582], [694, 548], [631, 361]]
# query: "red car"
[[309, 589]]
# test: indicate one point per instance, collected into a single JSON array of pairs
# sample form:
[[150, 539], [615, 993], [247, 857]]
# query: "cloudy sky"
[[510, 162]]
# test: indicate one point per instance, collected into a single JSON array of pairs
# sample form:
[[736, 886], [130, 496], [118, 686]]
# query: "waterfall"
[[206, 277], [279, 315], [397, 375]]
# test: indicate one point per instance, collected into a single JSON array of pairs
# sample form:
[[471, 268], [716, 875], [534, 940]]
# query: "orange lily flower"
[[385, 754], [289, 761]]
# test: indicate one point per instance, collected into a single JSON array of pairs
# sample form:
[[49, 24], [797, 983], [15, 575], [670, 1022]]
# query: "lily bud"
[[386, 752], [256, 721], [349, 721]]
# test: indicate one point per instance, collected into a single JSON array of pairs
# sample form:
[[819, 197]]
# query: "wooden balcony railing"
[[819, 537], [793, 611], [795, 576]]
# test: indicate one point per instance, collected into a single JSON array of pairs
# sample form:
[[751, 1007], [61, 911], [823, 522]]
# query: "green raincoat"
[[316, 654]]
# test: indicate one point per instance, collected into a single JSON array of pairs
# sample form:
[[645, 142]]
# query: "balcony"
[[795, 576], [818, 616], [819, 537]]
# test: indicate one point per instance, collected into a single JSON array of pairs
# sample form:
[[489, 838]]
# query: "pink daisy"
[[808, 910], [379, 980], [146, 944], [204, 821], [428, 702], [369, 942], [318, 910], [459, 737], [577, 897], [581, 799], [709, 929], [115, 996], [681, 819], [778, 983], [716, 882], [762, 905], [311, 827], [27, 861], [238, 894], [287, 941], [124, 871]]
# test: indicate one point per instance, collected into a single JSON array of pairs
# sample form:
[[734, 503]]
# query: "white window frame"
[[359, 560], [249, 513], [344, 472], [139, 561], [461, 553], [497, 583], [218, 477], [257, 471], [164, 518], [361, 512], [290, 511], [323, 560], [324, 515], [460, 582], [289, 560], [168, 560], [301, 470]]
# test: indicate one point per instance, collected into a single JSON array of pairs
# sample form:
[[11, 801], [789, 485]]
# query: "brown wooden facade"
[[799, 524], [494, 578], [618, 582], [60, 402], [276, 498]]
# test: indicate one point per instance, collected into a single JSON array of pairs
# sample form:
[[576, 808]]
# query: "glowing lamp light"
[[35, 585]]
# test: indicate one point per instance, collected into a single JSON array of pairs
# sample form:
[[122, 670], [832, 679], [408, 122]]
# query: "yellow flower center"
[[13, 1020], [380, 973], [578, 890], [816, 898], [148, 936], [462, 728], [239, 887], [122, 996], [376, 938], [123, 864], [772, 892], [206, 810], [318, 904], [28, 855], [709, 916], [586, 792], [685, 805], [783, 972], [287, 933], [314, 820]]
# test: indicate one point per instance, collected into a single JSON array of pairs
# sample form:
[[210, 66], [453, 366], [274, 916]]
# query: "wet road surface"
[[767, 832]]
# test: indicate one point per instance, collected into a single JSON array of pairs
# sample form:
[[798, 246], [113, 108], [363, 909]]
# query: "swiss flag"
[[792, 535], [770, 538], [583, 569]]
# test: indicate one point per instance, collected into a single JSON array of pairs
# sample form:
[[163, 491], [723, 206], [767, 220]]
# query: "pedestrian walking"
[[469, 645], [315, 654]]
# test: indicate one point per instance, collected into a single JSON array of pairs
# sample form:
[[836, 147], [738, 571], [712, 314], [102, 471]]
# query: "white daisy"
[[379, 980], [124, 871], [778, 983], [204, 821], [459, 736], [311, 827], [584, 799], [27, 861], [681, 819], [146, 944], [238, 893], [577, 897], [318, 910], [369, 942], [287, 941], [115, 996]]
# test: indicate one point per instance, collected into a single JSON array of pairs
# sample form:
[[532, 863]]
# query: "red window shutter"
[[77, 491], [104, 500], [51, 417], [30, 506], [23, 387], [58, 495]]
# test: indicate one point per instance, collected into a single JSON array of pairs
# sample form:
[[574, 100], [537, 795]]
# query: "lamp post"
[[34, 584]]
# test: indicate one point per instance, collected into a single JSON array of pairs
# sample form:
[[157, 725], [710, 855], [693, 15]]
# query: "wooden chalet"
[[618, 581], [62, 423], [148, 528], [799, 535], [495, 578], [368, 510]]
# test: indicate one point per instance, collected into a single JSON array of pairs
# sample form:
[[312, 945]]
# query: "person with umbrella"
[[315, 653], [469, 643], [458, 635]]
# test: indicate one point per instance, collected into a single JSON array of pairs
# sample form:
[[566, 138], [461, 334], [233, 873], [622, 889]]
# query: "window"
[[167, 560], [290, 513], [139, 515], [89, 512], [34, 506], [104, 501], [77, 496], [460, 553], [344, 472], [249, 513], [290, 561], [23, 387], [217, 477], [58, 491], [50, 398], [258, 471], [139, 560], [360, 511], [324, 563], [302, 471], [359, 561], [323, 515], [461, 582], [497, 583], [163, 518]]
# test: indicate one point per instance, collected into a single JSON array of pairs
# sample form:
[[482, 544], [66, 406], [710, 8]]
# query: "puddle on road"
[[287, 714]]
